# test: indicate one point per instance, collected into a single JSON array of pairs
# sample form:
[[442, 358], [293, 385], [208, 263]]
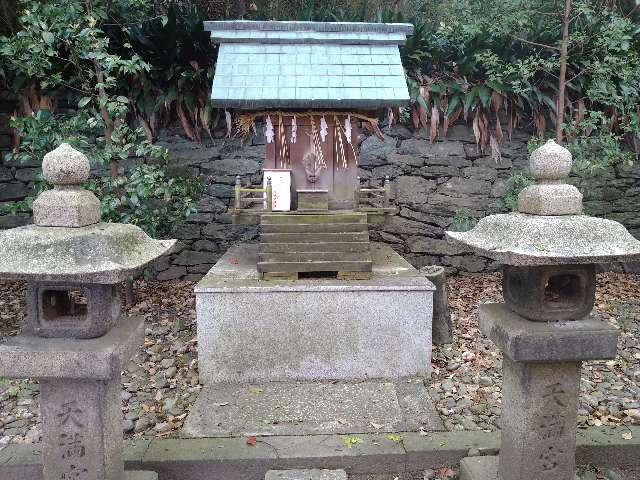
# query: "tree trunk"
[[562, 81], [9, 17]]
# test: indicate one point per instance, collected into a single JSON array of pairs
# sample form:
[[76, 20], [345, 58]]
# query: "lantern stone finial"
[[550, 165], [550, 162], [67, 204], [65, 166]]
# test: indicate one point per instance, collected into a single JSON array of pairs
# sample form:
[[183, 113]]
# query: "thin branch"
[[146, 20], [580, 73], [562, 81], [71, 87], [541, 45]]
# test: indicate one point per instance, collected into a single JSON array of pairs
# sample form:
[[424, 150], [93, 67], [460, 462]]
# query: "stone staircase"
[[294, 243]]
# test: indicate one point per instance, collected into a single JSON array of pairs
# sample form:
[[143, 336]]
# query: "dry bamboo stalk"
[[285, 160]]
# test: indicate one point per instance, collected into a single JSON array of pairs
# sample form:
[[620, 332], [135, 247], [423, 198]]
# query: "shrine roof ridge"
[[298, 26], [308, 65]]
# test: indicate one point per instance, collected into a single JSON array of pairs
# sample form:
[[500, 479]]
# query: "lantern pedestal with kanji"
[[80, 389], [544, 328], [541, 379], [76, 342]]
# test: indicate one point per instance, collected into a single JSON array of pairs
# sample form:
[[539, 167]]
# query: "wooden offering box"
[[309, 200]]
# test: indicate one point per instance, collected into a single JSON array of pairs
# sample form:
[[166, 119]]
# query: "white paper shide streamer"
[[323, 129], [347, 128], [227, 117], [294, 130], [269, 133]]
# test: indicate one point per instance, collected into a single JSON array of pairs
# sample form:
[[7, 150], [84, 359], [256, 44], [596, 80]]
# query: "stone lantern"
[[75, 342], [549, 250]]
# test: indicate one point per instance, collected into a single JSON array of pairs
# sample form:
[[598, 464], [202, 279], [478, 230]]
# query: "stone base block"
[[479, 468], [251, 330], [313, 200], [140, 475], [314, 474], [524, 340], [81, 429], [29, 356], [539, 420], [312, 408]]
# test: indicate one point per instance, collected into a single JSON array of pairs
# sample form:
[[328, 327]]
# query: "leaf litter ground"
[[161, 382]]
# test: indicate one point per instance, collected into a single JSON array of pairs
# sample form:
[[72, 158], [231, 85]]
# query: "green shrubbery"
[[63, 51], [131, 67], [497, 64]]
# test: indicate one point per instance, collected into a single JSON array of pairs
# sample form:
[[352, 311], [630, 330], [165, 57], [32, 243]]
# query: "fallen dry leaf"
[[445, 472]]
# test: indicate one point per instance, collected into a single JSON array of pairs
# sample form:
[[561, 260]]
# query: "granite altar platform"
[[252, 330], [313, 355]]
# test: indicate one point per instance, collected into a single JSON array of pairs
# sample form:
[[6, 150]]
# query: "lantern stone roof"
[[549, 228], [67, 242], [521, 239], [308, 64], [100, 253]]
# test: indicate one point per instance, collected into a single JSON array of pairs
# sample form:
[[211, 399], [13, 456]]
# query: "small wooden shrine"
[[311, 87]]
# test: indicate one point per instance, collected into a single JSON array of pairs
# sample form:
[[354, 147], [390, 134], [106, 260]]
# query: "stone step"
[[314, 237], [314, 257], [314, 228], [314, 474], [300, 408], [304, 218], [314, 247], [140, 475], [316, 266]]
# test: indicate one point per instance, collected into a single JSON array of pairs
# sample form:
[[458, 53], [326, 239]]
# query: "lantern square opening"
[[550, 292], [71, 310]]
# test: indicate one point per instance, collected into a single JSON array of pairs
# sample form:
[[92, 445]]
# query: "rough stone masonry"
[[431, 183]]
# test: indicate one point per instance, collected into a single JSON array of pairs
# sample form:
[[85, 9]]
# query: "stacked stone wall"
[[432, 184], [16, 180]]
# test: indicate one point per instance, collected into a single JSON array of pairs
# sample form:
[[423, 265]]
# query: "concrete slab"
[[250, 330], [234, 459], [314, 474], [479, 468], [568, 341], [140, 475], [303, 408], [239, 262]]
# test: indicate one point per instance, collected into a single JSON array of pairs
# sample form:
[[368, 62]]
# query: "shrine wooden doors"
[[330, 162]]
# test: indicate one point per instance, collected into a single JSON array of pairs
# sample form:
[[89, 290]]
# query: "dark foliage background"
[[107, 75]]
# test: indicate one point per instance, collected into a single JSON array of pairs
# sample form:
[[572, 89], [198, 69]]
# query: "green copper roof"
[[308, 64]]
